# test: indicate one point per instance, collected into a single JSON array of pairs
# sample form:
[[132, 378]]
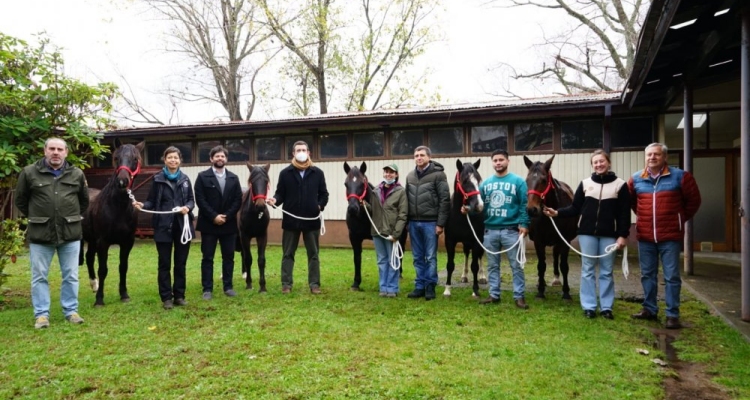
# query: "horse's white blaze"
[[480, 206], [354, 179]]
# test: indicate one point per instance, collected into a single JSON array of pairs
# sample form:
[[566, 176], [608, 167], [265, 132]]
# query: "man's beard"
[[501, 170], [219, 164]]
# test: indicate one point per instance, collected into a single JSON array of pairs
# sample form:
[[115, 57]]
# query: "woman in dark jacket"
[[171, 189], [603, 204]]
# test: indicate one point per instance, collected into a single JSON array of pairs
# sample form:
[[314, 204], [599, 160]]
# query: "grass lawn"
[[340, 344]]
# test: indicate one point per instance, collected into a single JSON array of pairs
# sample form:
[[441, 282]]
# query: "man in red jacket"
[[663, 198]]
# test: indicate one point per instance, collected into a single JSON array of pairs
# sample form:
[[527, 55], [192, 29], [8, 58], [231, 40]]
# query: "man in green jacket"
[[53, 195], [429, 203]]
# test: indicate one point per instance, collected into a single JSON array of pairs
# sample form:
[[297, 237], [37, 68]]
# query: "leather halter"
[[463, 192], [364, 192], [546, 191], [130, 171]]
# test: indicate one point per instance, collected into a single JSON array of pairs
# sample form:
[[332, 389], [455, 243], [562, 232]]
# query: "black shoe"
[[644, 314], [417, 293], [429, 293], [180, 302], [607, 314], [167, 304], [673, 323], [590, 314], [489, 300]]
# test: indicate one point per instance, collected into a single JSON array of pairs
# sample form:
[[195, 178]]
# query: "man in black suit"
[[218, 195]]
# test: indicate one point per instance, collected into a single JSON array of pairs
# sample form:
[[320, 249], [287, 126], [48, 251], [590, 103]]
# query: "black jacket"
[[304, 197], [211, 202], [603, 203], [163, 197], [428, 194]]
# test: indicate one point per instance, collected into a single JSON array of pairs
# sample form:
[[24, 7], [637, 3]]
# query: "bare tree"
[[223, 38], [596, 52]]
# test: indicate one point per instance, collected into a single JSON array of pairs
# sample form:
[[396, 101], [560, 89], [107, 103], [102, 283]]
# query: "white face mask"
[[301, 157], [390, 181]]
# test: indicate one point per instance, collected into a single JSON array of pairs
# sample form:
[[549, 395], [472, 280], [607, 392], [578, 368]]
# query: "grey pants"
[[289, 243]]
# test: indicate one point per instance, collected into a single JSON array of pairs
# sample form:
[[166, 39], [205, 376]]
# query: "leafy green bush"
[[11, 243]]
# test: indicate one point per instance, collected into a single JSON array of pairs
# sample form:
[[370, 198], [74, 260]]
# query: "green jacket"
[[388, 217], [53, 205], [428, 194]]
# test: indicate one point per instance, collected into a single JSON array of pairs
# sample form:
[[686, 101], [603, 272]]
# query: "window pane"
[[582, 135], [486, 139], [268, 149], [239, 149], [725, 129], [186, 148], [290, 140], [446, 140], [368, 144], [533, 136], [632, 132], [674, 131], [333, 146], [154, 151], [403, 143], [204, 150]]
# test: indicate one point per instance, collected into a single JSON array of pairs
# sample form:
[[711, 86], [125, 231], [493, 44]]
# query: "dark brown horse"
[[457, 230], [252, 222], [111, 219], [544, 190]]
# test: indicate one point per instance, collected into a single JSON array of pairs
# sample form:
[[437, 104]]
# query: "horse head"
[[258, 184], [356, 186], [127, 161], [467, 185], [540, 185]]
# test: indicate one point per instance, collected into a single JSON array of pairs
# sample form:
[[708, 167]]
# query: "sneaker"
[[41, 323], [416, 293], [315, 290], [167, 304], [74, 318], [607, 314], [391, 294], [207, 296], [286, 289], [429, 293], [382, 294], [489, 300], [590, 314], [230, 293], [180, 302]]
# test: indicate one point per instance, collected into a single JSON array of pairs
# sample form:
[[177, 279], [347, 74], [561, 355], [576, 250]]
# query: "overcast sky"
[[102, 40]]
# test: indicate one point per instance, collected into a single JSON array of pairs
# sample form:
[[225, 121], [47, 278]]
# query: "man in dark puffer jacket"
[[429, 203], [663, 198]]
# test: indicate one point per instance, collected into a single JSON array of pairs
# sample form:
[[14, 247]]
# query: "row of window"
[[526, 137]]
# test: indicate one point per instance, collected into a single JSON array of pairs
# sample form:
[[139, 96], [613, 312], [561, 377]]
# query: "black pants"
[[181, 251], [289, 243], [208, 248]]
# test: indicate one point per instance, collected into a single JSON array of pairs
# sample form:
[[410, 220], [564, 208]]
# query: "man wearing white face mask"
[[302, 190]]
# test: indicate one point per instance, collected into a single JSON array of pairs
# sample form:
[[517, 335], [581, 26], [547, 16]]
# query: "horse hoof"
[[262, 290], [567, 299], [355, 289], [94, 285], [483, 281], [125, 299], [540, 296], [447, 292], [99, 304], [464, 280], [475, 295], [248, 287], [556, 282]]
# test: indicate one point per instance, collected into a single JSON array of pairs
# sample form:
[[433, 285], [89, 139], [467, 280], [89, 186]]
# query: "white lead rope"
[[520, 255], [607, 251], [397, 252], [186, 235], [320, 216]]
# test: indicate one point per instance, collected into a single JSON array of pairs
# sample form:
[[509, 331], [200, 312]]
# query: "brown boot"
[[673, 323], [521, 303], [644, 314], [489, 300]]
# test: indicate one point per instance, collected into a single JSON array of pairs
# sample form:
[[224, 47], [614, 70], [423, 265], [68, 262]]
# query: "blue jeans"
[[648, 256], [388, 275], [594, 245], [496, 240], [40, 256], [424, 249]]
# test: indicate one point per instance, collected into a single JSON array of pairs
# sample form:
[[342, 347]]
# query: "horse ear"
[[548, 163], [118, 143], [476, 164], [459, 165], [267, 167], [140, 146], [363, 167], [347, 168], [527, 162], [249, 165]]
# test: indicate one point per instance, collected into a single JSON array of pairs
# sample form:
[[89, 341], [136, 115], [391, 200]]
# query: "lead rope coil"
[[521, 243], [186, 235], [320, 216], [397, 252]]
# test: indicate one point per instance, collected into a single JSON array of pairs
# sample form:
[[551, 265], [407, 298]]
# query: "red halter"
[[549, 187], [463, 192], [131, 172], [359, 197]]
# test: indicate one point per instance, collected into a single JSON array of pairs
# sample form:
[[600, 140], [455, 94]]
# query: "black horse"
[[358, 189], [544, 190], [111, 219], [457, 230], [252, 222]]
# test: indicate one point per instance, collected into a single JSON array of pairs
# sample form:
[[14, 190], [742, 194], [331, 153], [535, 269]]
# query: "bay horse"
[[111, 219], [252, 222], [457, 229], [544, 190], [358, 189]]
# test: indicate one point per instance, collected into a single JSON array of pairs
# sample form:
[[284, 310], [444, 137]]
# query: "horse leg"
[[541, 268], [124, 254], [102, 251], [450, 248], [357, 254], [247, 261], [90, 257], [475, 271], [465, 272], [261, 242], [564, 268], [555, 271], [482, 270]]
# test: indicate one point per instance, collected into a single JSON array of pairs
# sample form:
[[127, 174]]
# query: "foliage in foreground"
[[336, 345]]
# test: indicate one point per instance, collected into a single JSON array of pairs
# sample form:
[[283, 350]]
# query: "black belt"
[[506, 228]]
